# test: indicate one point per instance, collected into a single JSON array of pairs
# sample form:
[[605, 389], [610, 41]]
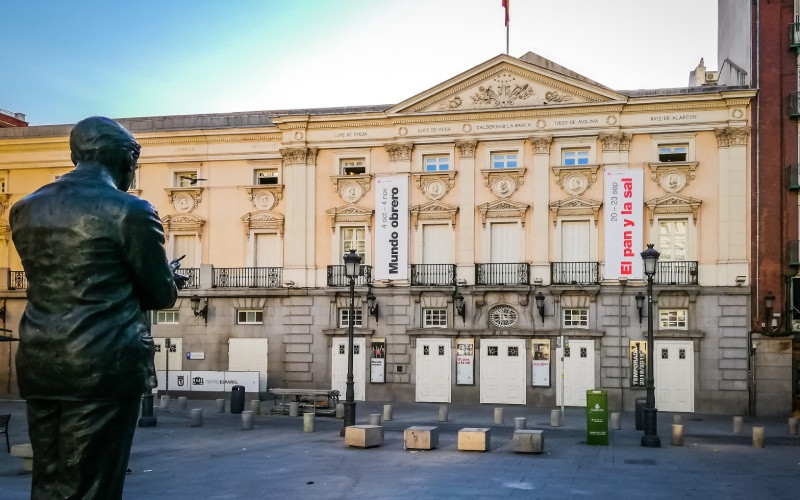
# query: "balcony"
[[502, 274], [676, 273], [574, 273], [248, 277], [193, 273], [17, 280], [794, 36], [336, 276], [794, 105], [433, 274]]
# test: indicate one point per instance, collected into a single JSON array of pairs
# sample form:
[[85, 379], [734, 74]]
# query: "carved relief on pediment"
[[183, 223], [503, 209], [349, 213], [263, 220], [351, 188], [575, 205], [185, 199], [434, 185], [673, 176], [673, 204], [434, 210], [575, 179], [503, 182]]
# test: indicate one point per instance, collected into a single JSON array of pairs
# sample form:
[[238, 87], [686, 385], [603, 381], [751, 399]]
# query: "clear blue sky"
[[64, 60]]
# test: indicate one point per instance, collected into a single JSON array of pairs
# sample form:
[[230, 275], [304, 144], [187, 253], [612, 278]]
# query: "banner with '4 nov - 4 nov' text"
[[391, 227], [624, 224]]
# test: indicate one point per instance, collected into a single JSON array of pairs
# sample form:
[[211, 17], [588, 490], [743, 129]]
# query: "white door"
[[249, 355], [674, 375], [578, 372], [175, 353], [503, 371], [267, 250], [506, 247], [339, 367], [433, 370]]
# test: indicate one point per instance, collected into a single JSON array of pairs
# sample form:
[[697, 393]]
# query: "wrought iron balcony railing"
[[502, 274], [336, 276], [248, 277], [676, 273], [574, 273], [433, 274], [17, 280], [193, 273]]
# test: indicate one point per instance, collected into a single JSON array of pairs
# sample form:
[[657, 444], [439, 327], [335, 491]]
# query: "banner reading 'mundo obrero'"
[[624, 226], [391, 227]]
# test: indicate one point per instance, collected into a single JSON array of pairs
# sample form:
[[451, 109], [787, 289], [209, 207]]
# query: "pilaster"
[[465, 251]]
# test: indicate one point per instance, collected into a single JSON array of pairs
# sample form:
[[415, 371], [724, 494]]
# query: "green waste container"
[[597, 418]]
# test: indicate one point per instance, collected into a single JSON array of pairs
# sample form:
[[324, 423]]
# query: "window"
[[265, 176], [504, 160], [571, 157], [434, 318], [672, 319], [167, 317], [344, 317], [436, 163], [3, 184], [502, 316], [354, 238], [673, 152], [249, 317], [672, 239], [185, 178], [352, 166], [576, 318]]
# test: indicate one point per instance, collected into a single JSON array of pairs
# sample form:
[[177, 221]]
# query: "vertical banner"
[[624, 224], [540, 365], [377, 363], [391, 227], [465, 361], [638, 363]]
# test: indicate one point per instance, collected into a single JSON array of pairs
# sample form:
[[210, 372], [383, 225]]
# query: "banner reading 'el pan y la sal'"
[[391, 227], [624, 224]]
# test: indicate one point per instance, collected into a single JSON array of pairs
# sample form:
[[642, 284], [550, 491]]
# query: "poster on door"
[[540, 362], [391, 227], [638, 363], [377, 363], [624, 226], [465, 362]]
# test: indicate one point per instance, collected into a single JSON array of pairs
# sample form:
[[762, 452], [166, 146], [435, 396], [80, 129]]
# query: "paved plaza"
[[278, 460]]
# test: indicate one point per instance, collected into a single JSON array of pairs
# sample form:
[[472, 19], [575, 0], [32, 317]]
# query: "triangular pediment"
[[673, 204], [503, 209], [349, 213], [505, 82], [575, 206], [434, 210]]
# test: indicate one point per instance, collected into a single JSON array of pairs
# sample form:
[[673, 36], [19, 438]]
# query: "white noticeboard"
[[465, 362], [624, 224], [540, 364], [391, 227]]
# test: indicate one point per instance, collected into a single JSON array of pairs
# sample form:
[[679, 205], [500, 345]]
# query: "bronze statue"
[[95, 261]]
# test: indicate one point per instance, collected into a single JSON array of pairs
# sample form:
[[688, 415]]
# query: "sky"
[[62, 61]]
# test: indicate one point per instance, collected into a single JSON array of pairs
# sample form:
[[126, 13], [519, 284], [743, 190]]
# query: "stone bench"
[[527, 441], [363, 436], [474, 439], [25, 452], [421, 437]]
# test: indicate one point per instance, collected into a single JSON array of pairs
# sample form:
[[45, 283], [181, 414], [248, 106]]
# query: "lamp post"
[[352, 270], [650, 438]]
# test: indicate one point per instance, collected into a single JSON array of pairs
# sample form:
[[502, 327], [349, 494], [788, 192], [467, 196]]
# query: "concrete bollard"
[[220, 406], [164, 403], [255, 406], [196, 417], [792, 426], [555, 418], [758, 437], [737, 424], [294, 409], [247, 420], [339, 410], [615, 421], [374, 419], [387, 412], [520, 423], [498, 416], [677, 418], [308, 421], [677, 435], [183, 402], [443, 410]]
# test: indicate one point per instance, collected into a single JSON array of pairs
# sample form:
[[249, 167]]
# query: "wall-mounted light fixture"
[[539, 298], [200, 311], [458, 303], [640, 305], [372, 303], [740, 280]]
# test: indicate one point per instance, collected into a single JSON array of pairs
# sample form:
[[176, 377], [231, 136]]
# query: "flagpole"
[[507, 39], [505, 4]]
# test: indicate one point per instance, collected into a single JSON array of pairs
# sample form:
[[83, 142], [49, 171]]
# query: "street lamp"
[[650, 438], [352, 270]]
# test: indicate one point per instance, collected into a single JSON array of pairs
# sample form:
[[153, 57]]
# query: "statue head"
[[102, 140]]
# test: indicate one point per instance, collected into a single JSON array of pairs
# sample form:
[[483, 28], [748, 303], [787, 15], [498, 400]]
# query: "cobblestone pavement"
[[278, 460]]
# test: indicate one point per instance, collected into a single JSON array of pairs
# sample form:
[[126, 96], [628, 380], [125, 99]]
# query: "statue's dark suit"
[[94, 259]]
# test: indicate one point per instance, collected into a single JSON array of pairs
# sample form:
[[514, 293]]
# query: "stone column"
[[733, 197], [540, 231], [465, 246]]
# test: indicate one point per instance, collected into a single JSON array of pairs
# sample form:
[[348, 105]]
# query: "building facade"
[[499, 217]]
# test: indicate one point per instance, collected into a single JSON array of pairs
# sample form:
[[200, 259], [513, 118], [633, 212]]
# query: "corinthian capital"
[[294, 156], [466, 149], [541, 145], [732, 136], [399, 151], [616, 142]]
